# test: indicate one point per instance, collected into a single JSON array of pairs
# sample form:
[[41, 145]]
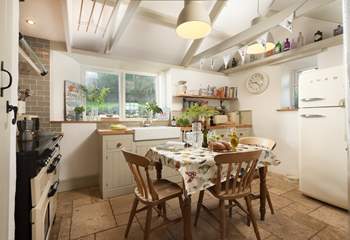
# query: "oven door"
[[41, 216]]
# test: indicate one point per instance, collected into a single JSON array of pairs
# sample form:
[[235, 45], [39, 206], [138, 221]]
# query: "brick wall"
[[39, 101]]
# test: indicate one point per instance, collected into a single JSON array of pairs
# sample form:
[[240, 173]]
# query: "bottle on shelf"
[[173, 122], [286, 45], [293, 44], [300, 41], [278, 47]]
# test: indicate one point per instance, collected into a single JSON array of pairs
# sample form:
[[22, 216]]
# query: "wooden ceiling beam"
[[129, 13], [170, 21], [214, 13], [66, 26], [300, 8]]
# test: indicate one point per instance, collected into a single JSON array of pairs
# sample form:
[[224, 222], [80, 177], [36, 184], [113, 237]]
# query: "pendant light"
[[193, 21], [265, 42]]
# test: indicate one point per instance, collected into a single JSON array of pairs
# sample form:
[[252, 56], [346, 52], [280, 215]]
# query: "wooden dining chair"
[[152, 193], [236, 185], [269, 145]]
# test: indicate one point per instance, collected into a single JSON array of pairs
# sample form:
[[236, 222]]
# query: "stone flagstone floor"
[[83, 215]]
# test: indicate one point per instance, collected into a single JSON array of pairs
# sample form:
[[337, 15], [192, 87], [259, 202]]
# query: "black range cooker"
[[36, 186]]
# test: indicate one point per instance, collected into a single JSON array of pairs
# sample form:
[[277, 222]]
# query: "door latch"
[[10, 79], [10, 108]]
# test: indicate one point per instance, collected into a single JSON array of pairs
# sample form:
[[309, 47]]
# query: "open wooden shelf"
[[293, 54], [204, 97]]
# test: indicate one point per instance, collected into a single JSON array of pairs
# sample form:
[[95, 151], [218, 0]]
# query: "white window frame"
[[121, 81], [295, 81], [157, 85], [86, 68]]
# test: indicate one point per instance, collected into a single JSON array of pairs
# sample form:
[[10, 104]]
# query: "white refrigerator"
[[322, 136]]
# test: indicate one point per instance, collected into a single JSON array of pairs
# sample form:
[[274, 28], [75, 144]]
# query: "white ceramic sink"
[[156, 133]]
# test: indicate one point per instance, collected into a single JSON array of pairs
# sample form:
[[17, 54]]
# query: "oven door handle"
[[53, 189], [54, 164]]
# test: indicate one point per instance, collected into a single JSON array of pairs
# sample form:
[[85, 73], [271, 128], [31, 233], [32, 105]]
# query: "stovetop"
[[34, 155]]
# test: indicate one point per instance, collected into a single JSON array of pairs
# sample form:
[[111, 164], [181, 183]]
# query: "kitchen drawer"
[[115, 143]]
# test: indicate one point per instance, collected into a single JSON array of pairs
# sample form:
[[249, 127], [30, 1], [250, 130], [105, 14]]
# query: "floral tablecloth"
[[197, 166]]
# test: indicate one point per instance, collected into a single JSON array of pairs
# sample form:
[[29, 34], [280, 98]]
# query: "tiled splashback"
[[39, 101]]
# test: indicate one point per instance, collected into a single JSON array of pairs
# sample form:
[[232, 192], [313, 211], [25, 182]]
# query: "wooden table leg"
[[159, 168], [187, 217], [262, 175]]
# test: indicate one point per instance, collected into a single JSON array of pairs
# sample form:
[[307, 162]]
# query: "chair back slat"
[[137, 178], [144, 183], [258, 141], [243, 164], [228, 177]]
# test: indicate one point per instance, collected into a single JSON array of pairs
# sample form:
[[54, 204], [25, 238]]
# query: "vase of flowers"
[[151, 109], [197, 113]]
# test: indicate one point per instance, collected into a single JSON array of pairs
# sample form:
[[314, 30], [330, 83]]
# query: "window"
[[295, 85], [96, 82], [139, 89], [126, 95]]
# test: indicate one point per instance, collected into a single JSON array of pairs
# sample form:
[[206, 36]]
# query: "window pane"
[[139, 89], [95, 82]]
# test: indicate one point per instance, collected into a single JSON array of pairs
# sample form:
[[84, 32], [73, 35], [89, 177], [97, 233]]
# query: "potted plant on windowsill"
[[78, 112], [96, 97], [151, 110]]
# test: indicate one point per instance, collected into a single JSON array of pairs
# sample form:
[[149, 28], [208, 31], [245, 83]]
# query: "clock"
[[257, 83]]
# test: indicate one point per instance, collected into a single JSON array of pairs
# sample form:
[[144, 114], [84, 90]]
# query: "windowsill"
[[287, 110], [106, 121]]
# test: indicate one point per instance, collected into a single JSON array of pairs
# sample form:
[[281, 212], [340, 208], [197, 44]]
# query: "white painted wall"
[[62, 67], [80, 151], [280, 126]]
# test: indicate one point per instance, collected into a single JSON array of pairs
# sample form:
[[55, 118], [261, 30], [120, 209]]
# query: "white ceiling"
[[145, 39], [47, 17]]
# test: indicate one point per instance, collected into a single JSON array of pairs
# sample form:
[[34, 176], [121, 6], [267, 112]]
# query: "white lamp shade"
[[193, 21], [261, 45]]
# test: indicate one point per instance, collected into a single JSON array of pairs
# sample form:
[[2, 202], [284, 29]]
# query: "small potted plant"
[[151, 109], [196, 112], [96, 97], [78, 112]]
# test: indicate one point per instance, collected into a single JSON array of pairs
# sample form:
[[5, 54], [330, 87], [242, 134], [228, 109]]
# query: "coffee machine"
[[28, 127]]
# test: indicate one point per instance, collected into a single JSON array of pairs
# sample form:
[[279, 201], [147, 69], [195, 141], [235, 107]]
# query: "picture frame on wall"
[[74, 96]]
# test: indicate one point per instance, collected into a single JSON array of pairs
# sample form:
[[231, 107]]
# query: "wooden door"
[[9, 12]]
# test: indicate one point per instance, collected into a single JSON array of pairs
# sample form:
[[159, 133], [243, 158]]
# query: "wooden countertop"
[[103, 132], [221, 126]]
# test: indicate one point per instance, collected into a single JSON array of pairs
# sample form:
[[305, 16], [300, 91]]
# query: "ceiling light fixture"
[[30, 21], [265, 42], [193, 21]]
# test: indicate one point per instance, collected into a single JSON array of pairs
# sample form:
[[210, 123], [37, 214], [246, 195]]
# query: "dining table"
[[198, 170]]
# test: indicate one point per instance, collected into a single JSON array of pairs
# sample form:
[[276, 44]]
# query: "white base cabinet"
[[115, 176]]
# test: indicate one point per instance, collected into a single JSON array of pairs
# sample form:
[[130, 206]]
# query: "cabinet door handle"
[[118, 145], [312, 116], [10, 79], [311, 99]]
